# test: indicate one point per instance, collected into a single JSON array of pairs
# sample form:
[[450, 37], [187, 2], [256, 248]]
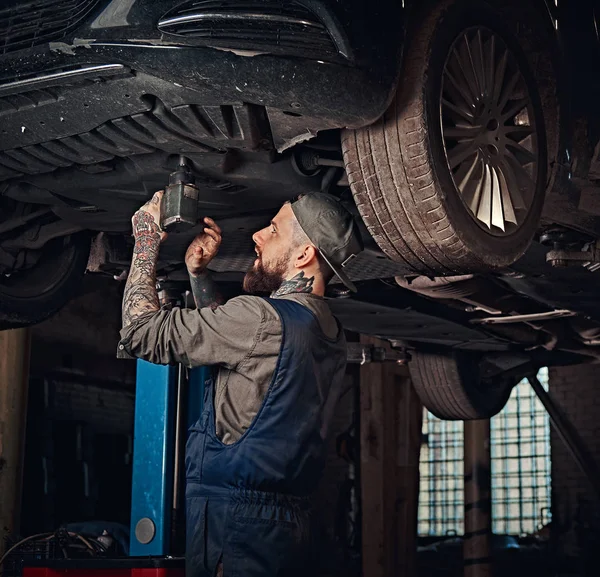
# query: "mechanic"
[[257, 452]]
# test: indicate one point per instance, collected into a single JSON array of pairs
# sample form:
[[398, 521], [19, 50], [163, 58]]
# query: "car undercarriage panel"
[[404, 323], [93, 136]]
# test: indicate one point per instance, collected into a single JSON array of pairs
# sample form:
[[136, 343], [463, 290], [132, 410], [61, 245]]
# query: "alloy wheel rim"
[[489, 131]]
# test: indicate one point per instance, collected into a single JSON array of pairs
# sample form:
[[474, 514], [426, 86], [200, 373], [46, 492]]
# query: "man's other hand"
[[147, 219], [203, 248]]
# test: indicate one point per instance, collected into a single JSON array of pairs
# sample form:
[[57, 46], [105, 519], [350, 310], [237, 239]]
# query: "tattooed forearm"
[[139, 298], [205, 291], [145, 253], [140, 291], [298, 284]]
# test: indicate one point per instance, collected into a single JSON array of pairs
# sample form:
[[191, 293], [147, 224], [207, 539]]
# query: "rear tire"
[[33, 295], [399, 168], [451, 387]]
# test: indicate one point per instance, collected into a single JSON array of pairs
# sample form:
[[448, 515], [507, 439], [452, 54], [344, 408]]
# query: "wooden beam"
[[391, 417], [478, 505], [14, 371]]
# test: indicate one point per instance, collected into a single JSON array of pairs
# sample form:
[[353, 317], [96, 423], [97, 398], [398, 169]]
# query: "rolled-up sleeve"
[[224, 336]]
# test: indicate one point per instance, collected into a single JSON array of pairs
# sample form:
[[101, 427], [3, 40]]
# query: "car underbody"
[[96, 179], [93, 122]]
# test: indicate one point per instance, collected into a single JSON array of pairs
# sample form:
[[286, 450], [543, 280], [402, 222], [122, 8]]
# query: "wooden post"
[[14, 376], [478, 505], [390, 442]]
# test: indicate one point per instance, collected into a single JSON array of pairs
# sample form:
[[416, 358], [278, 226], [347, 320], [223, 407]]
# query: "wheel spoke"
[[491, 65], [509, 90], [512, 186], [460, 153], [497, 209], [524, 180], [455, 113], [522, 154], [515, 107], [507, 203], [469, 178], [499, 77], [518, 133], [479, 64], [458, 90], [459, 68], [468, 68], [463, 175], [484, 210], [477, 83], [461, 132]]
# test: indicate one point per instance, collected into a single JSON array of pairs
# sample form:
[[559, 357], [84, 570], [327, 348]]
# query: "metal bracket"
[[589, 259], [362, 354]]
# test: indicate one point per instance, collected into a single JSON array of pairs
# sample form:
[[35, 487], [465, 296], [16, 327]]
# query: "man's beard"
[[258, 279]]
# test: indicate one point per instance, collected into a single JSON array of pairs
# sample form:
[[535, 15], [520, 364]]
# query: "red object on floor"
[[129, 567], [109, 572]]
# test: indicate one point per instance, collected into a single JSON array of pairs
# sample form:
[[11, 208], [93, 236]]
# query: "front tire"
[[452, 178]]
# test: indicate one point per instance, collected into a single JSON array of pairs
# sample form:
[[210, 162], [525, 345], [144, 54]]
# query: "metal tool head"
[[179, 207]]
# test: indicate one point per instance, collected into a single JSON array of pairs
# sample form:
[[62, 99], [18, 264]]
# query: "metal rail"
[[568, 434]]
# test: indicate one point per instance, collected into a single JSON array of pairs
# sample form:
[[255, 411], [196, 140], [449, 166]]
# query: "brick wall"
[[576, 517], [80, 414]]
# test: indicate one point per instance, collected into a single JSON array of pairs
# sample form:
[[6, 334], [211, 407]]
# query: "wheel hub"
[[489, 132]]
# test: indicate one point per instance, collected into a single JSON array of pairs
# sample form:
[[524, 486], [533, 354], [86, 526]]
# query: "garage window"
[[441, 486], [520, 446]]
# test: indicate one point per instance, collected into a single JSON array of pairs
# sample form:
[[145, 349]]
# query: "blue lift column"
[[161, 399]]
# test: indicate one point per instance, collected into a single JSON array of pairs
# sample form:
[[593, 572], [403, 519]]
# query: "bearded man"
[[256, 455]]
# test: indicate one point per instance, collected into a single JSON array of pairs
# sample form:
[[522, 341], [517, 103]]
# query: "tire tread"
[[442, 388]]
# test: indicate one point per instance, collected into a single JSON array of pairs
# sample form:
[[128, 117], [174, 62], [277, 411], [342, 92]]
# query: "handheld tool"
[[179, 207]]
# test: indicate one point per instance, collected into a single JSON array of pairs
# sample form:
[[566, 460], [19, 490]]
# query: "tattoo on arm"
[[205, 291], [140, 291], [298, 284]]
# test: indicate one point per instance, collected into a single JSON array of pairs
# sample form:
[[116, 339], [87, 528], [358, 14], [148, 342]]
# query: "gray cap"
[[331, 228]]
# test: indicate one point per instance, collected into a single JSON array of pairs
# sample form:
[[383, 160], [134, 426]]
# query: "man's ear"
[[305, 257]]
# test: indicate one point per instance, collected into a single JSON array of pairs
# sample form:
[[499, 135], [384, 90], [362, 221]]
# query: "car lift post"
[[153, 459], [161, 422]]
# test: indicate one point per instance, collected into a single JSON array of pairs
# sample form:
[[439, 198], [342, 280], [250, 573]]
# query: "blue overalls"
[[247, 502]]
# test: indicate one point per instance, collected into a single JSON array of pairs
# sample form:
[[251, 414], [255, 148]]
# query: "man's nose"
[[257, 237]]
